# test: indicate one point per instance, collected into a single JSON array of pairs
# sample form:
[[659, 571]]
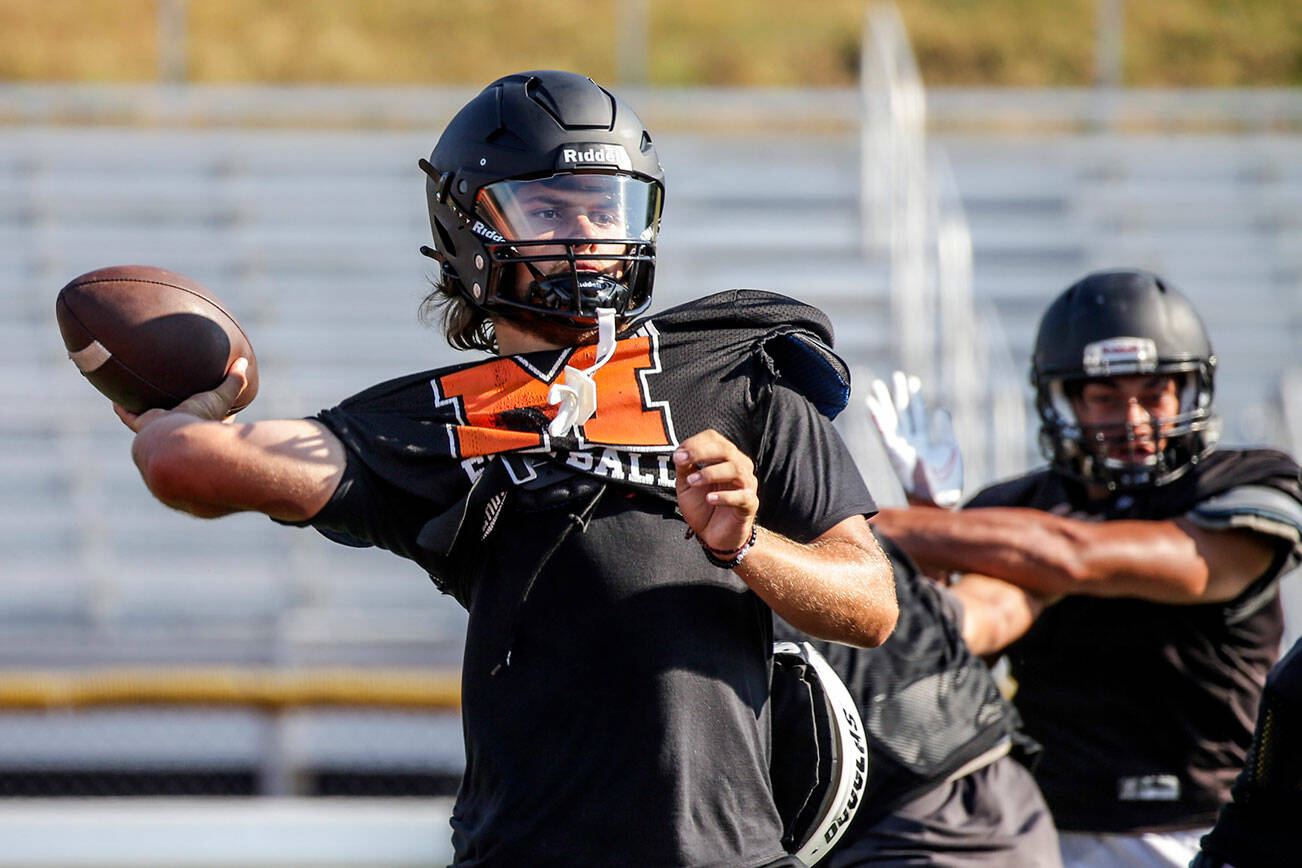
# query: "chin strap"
[[578, 394]]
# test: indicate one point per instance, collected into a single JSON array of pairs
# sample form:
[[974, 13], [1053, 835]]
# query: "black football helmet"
[[1114, 323], [545, 194]]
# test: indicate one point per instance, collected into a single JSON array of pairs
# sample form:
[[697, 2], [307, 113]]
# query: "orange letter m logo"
[[501, 405]]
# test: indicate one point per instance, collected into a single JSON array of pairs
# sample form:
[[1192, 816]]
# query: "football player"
[[947, 782], [1160, 557], [1259, 829], [619, 501]]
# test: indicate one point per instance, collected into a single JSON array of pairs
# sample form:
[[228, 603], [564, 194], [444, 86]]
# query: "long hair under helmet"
[[1114, 323], [544, 196]]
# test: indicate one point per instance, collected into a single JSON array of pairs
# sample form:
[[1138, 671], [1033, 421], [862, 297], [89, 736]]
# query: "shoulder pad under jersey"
[[1252, 507], [795, 339]]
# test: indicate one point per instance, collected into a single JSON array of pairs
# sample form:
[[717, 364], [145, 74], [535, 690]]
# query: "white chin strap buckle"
[[577, 395]]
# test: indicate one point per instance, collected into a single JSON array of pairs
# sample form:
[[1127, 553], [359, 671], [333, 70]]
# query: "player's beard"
[[556, 333]]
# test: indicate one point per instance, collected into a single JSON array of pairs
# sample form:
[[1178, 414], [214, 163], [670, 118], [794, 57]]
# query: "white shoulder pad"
[[1251, 507]]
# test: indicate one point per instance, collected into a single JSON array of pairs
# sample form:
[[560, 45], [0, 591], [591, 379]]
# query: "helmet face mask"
[[573, 243], [1122, 454], [544, 196], [1124, 328]]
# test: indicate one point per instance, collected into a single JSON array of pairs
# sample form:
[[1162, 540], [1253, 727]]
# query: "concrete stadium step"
[[312, 237]]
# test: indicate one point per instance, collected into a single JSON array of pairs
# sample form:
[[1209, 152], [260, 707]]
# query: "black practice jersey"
[[615, 684], [1260, 828], [929, 706], [1145, 710]]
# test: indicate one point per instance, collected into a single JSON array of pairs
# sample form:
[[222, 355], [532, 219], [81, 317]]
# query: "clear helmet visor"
[[572, 243], [573, 207]]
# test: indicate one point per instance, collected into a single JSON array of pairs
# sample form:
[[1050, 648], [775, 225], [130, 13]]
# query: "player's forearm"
[[1030, 548], [175, 458], [1051, 555], [995, 613], [834, 589], [286, 469]]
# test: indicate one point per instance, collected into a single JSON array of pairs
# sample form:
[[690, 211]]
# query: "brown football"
[[148, 337]]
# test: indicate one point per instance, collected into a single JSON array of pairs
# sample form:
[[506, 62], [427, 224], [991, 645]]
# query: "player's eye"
[[1101, 401], [1154, 401]]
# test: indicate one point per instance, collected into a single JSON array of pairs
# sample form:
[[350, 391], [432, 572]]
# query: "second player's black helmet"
[[1114, 323], [523, 182]]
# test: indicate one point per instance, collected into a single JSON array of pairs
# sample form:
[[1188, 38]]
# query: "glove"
[[924, 456]]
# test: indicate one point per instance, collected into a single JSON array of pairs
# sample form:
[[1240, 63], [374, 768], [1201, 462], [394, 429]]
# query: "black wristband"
[[734, 558]]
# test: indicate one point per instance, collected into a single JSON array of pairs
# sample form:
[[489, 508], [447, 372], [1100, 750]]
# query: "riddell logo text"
[[590, 155], [488, 232]]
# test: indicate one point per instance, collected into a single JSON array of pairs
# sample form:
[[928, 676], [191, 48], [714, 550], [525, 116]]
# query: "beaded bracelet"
[[730, 559]]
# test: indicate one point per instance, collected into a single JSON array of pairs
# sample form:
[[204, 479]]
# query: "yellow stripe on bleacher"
[[265, 688]]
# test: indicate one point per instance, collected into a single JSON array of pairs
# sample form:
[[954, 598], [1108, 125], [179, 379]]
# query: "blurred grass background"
[[777, 43]]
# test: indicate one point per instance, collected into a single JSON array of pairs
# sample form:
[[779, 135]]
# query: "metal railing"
[[913, 213]]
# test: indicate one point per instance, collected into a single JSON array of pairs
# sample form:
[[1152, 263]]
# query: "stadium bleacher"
[[311, 237]]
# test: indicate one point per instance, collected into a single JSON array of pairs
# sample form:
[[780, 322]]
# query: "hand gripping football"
[[146, 337]]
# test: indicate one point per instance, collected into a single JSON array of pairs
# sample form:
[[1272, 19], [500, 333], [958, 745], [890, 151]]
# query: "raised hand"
[[924, 451]]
